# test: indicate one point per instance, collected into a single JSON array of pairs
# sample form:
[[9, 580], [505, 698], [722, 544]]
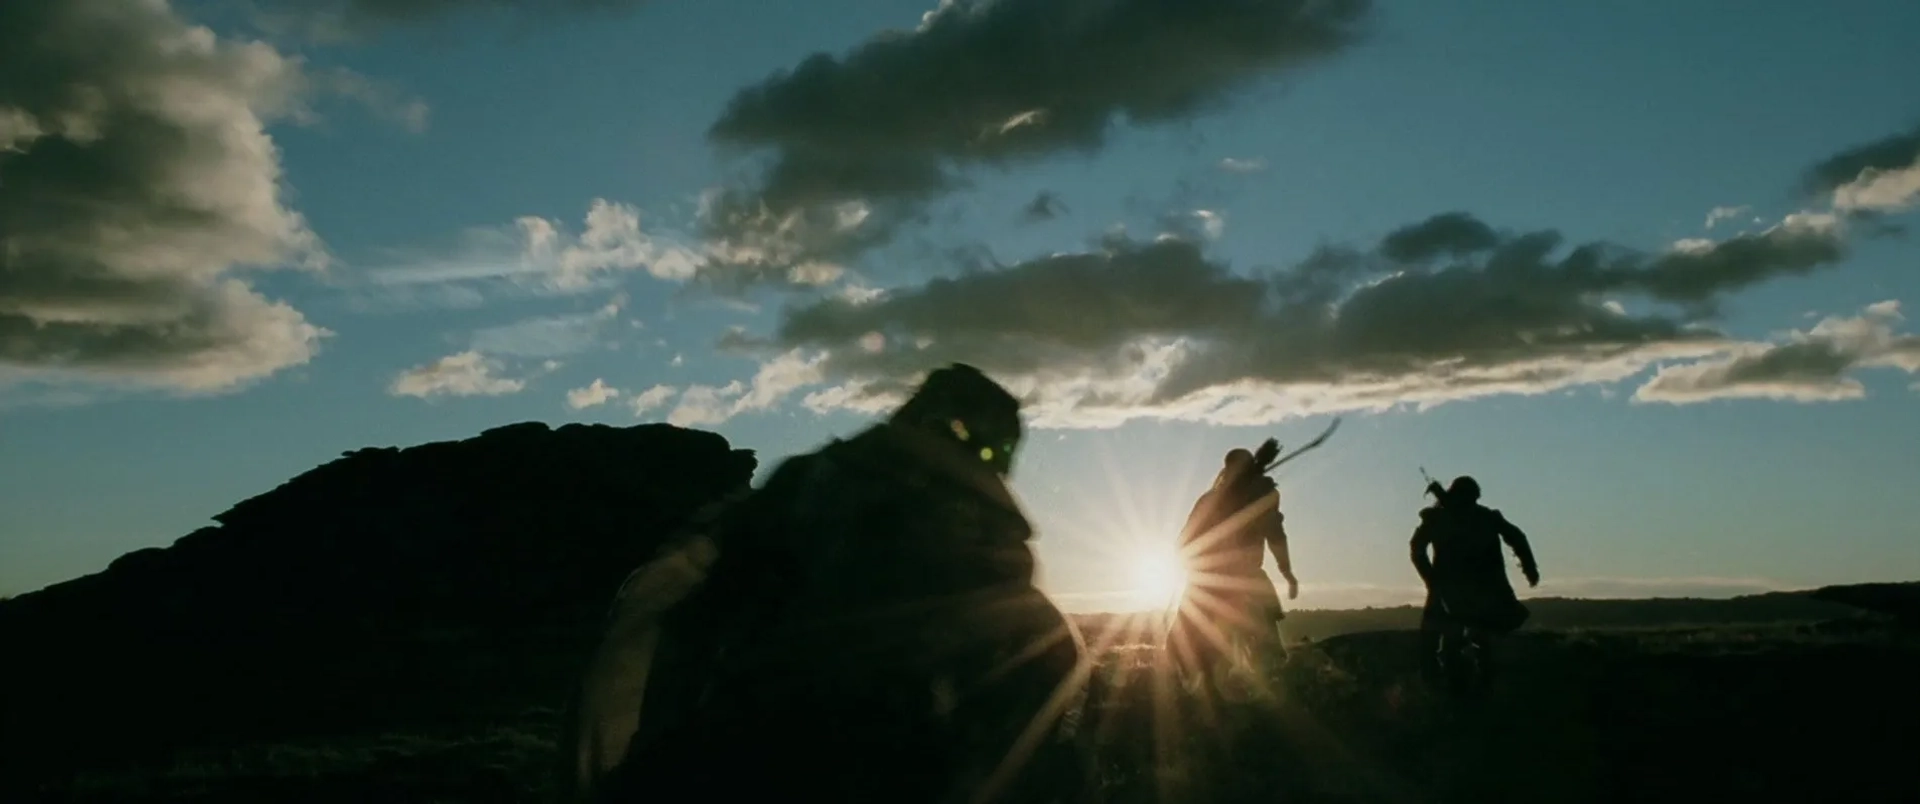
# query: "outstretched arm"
[[1274, 532], [1516, 540]]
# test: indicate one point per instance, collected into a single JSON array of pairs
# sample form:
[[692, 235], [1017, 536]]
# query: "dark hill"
[[1560, 613], [1900, 601], [435, 580]]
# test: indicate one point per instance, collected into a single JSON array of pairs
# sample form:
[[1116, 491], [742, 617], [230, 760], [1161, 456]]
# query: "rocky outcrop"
[[388, 582]]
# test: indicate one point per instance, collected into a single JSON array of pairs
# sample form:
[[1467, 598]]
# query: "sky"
[[1642, 269]]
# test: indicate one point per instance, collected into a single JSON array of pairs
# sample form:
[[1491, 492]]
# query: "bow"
[[1317, 441]]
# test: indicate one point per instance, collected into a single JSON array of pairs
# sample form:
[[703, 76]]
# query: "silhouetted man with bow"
[[1229, 603]]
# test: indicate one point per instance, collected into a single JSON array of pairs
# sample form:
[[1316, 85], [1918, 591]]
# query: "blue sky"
[[486, 207]]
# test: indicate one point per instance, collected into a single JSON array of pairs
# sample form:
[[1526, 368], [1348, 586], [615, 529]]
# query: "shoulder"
[[1432, 520]]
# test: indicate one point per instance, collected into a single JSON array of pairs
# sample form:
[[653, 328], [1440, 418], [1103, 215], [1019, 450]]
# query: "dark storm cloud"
[[885, 128]]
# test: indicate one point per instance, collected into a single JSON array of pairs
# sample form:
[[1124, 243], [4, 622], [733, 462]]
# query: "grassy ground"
[[1756, 714]]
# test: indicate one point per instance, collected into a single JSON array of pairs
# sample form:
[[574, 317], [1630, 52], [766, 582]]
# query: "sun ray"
[[1130, 526]]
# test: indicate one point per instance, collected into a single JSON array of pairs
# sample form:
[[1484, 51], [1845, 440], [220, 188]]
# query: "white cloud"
[[1719, 215], [815, 273], [594, 394], [139, 183], [539, 255], [702, 405], [1233, 165], [651, 399], [1199, 224], [1880, 190], [859, 293], [775, 380], [611, 241], [868, 398], [468, 373], [779, 377], [1815, 365], [1213, 224], [1878, 176]]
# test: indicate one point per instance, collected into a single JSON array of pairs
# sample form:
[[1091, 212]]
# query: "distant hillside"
[[1555, 613], [431, 578], [1900, 601]]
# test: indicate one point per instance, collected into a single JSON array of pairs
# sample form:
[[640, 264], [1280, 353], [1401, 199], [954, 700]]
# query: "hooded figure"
[[864, 627], [1223, 544], [1466, 576]]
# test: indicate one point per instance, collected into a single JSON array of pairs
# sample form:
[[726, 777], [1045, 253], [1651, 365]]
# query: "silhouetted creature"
[[864, 627], [1229, 603], [1469, 599]]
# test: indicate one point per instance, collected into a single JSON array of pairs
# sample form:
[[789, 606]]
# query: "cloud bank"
[[1882, 176], [1815, 365], [136, 183], [861, 143], [1445, 309]]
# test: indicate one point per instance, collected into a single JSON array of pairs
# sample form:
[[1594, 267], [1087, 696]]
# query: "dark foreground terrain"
[[405, 625], [1758, 713]]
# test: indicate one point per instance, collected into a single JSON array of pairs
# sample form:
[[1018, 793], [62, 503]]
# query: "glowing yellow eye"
[[986, 453], [959, 429]]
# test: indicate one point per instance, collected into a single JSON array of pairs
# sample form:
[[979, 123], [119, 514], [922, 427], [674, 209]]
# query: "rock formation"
[[444, 580]]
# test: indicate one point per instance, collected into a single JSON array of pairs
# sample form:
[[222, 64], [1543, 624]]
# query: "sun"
[[1159, 578]]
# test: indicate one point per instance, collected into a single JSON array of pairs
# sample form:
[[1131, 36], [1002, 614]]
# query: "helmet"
[[961, 403]]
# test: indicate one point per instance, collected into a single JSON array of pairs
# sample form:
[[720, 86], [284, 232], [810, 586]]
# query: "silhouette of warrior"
[[1229, 604], [864, 627], [1469, 599]]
